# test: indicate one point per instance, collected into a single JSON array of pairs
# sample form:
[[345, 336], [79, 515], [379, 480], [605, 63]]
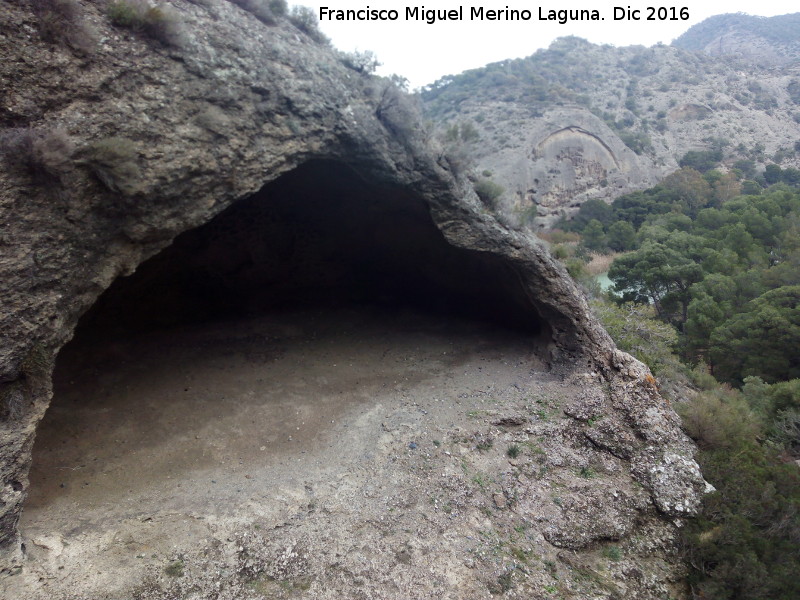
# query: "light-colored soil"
[[340, 454], [601, 263]]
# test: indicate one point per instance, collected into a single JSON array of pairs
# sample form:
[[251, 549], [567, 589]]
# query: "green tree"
[[772, 173], [621, 236], [591, 209], [762, 340], [594, 238], [659, 274], [691, 188], [701, 160]]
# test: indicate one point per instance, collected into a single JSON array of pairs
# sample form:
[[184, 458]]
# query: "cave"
[[320, 235], [254, 335]]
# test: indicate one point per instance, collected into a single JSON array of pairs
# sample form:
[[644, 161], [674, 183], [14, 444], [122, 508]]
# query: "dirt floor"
[[338, 454]]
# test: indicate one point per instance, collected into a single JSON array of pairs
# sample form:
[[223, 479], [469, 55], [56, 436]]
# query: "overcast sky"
[[423, 53]]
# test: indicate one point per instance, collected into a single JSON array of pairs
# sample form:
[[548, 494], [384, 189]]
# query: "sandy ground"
[[351, 453]]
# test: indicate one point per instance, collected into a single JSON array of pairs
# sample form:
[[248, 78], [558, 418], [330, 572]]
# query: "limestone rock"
[[168, 137]]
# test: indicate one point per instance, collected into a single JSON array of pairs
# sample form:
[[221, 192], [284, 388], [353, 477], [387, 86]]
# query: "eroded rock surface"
[[166, 138]]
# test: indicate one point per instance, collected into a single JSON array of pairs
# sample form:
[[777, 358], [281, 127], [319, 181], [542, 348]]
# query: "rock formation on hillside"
[[580, 121], [116, 140]]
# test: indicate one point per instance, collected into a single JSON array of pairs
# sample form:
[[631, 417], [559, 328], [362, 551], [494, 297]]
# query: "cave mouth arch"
[[320, 240], [320, 235]]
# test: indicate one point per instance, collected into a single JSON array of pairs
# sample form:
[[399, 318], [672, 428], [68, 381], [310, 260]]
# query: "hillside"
[[765, 40], [579, 121]]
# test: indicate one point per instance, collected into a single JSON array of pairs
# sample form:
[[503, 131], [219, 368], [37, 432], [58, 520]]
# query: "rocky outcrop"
[[565, 157], [112, 153]]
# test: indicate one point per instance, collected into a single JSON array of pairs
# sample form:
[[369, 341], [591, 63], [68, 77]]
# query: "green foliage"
[[462, 132], [758, 340], [638, 141], [174, 569], [157, 21], [704, 265], [621, 236], [488, 191], [744, 543], [701, 160], [725, 271], [659, 273], [771, 401], [591, 209], [774, 174], [397, 110], [634, 329], [594, 237]]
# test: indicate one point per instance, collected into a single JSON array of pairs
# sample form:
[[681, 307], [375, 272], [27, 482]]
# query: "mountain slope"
[[579, 121], [766, 40]]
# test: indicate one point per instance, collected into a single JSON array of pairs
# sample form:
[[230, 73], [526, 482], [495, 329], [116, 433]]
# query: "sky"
[[423, 52]]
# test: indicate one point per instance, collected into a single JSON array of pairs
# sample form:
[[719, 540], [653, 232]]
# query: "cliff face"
[[620, 119], [115, 146]]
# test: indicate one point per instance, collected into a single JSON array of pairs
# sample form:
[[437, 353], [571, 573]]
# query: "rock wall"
[[562, 159], [111, 153]]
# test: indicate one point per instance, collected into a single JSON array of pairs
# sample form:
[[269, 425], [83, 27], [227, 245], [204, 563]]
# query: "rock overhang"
[[204, 128]]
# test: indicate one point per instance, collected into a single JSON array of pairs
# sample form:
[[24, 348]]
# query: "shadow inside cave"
[[253, 337]]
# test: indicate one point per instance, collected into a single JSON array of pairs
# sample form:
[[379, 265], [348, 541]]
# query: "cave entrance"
[[238, 364]]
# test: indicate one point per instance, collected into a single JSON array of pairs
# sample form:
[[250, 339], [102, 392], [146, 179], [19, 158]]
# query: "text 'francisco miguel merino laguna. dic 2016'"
[[480, 13]]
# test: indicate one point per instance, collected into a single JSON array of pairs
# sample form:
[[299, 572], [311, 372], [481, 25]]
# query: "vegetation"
[[779, 30], [305, 19], [44, 154], [361, 62], [62, 22], [488, 191], [114, 161], [157, 21], [715, 276], [175, 569]]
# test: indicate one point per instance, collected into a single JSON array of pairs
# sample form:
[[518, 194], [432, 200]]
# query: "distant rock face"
[[565, 157], [579, 121], [761, 40], [110, 155]]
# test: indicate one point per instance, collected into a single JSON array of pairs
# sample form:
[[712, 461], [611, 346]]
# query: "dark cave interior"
[[319, 236]]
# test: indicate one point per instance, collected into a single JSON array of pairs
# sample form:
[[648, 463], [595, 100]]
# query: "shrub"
[[113, 161], [156, 21], [267, 11], [744, 544], [305, 19], [361, 62], [43, 154], [718, 419], [488, 191], [398, 111], [62, 22], [634, 329]]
